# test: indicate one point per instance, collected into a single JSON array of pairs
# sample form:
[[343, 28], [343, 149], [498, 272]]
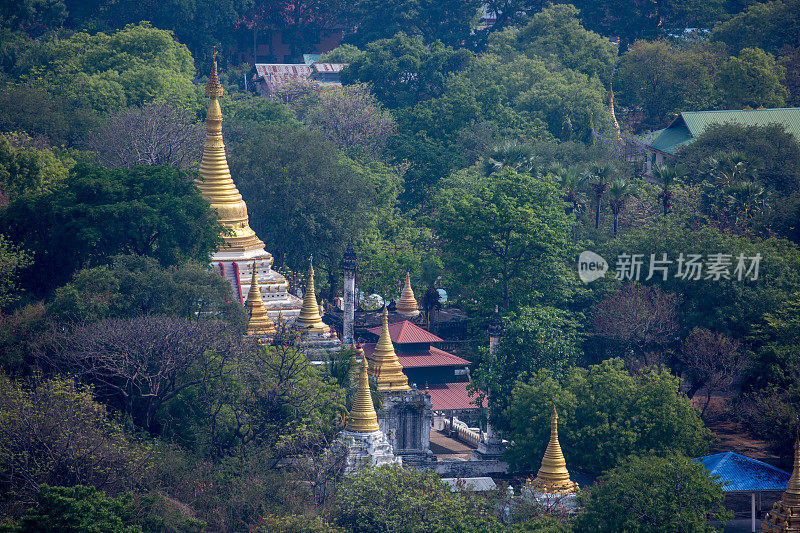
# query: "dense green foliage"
[[369, 503], [605, 415], [650, 494], [473, 148], [97, 213]]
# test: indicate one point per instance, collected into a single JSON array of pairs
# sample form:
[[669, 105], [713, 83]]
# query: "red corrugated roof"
[[406, 333], [435, 357], [451, 396]]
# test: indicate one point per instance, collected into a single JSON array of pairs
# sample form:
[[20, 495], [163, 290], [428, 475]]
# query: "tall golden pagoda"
[[309, 318], [553, 477], [241, 245], [259, 323], [384, 365], [407, 305], [362, 417], [785, 514]]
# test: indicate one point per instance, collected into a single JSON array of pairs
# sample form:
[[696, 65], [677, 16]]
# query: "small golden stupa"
[[310, 319], [785, 514], [384, 365], [553, 477], [362, 417], [407, 305], [259, 323]]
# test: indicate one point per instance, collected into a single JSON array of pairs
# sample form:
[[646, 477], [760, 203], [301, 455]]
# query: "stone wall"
[[406, 418], [468, 468]]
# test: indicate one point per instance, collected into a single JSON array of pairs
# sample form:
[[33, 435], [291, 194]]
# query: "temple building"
[[259, 324], [552, 483], [364, 443], [785, 514], [407, 305], [242, 252], [315, 335]]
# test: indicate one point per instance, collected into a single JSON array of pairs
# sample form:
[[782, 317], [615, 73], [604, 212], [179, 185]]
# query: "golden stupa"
[[259, 323], [553, 477], [217, 185], [240, 245], [384, 365], [407, 305], [362, 417], [309, 319], [785, 514]]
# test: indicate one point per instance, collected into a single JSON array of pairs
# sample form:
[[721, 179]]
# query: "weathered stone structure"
[[406, 418]]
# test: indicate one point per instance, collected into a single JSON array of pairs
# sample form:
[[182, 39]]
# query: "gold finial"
[[362, 418], [259, 323], [213, 85], [407, 305], [792, 494], [216, 185], [553, 476], [309, 317], [384, 365], [353, 374]]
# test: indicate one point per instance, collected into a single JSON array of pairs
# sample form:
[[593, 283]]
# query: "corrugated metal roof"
[[449, 396], [328, 67], [691, 124], [405, 332], [739, 473], [435, 357]]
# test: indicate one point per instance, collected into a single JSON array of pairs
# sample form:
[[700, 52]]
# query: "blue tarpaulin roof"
[[742, 474]]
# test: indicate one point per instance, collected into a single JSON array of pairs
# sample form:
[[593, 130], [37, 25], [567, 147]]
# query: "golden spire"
[[407, 304], [259, 323], [553, 477], [216, 185], [362, 418], [384, 365], [785, 514], [792, 494], [354, 362], [309, 314]]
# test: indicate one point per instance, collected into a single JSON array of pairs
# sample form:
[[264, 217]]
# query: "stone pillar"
[[491, 445], [349, 267], [406, 419]]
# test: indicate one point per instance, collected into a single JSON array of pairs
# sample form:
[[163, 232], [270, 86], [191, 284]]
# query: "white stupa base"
[[366, 450], [237, 268]]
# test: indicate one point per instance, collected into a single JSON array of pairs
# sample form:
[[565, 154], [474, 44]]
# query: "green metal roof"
[[691, 124]]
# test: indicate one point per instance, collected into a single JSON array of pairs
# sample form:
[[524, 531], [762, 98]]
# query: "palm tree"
[[619, 193], [511, 154], [572, 185], [746, 198], [667, 177], [599, 178], [727, 168]]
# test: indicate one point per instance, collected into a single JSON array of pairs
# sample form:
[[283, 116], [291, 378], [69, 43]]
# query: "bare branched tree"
[[713, 360], [143, 362], [154, 134], [352, 118], [637, 316]]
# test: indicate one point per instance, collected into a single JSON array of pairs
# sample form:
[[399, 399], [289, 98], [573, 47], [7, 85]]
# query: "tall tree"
[[651, 493], [598, 180], [502, 235], [619, 193], [753, 79], [97, 213]]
